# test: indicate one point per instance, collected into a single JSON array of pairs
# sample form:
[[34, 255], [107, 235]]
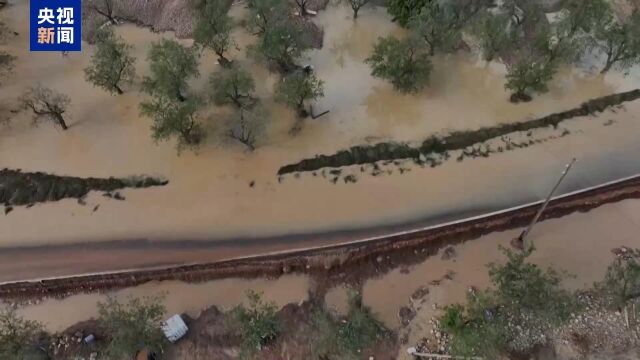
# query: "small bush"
[[622, 280], [345, 338], [259, 324]]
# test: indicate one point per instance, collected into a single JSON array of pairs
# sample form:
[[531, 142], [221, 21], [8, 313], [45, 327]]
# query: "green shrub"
[[259, 324]]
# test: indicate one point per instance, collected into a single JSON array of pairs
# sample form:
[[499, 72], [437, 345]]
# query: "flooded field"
[[209, 197], [579, 244]]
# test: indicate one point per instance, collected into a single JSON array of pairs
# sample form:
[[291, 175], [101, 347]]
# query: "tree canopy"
[[619, 41], [282, 43], [174, 118], [248, 125], [18, 336], [111, 64], [297, 88], [405, 63], [213, 27], [132, 326], [259, 324], [46, 104], [528, 76], [232, 86], [171, 67], [6, 60], [264, 14], [404, 10]]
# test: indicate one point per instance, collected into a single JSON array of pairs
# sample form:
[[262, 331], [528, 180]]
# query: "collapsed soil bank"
[[351, 262], [27, 188], [458, 140]]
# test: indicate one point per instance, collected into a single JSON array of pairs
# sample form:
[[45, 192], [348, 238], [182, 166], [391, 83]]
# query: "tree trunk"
[[118, 89], [520, 96], [180, 97], [607, 67], [61, 121], [355, 13], [223, 61]]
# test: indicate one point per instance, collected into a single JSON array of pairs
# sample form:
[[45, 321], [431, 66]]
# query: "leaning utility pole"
[[526, 246]]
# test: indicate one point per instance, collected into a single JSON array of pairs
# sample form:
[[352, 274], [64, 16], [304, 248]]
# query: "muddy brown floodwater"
[[579, 244], [209, 197]]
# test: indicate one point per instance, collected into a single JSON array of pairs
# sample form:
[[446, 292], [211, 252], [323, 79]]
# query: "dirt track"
[[348, 262]]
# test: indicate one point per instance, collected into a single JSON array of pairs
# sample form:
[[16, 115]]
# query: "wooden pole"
[[526, 246]]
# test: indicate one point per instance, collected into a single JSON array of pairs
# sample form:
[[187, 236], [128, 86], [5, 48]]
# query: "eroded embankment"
[[458, 140], [352, 262], [27, 188]]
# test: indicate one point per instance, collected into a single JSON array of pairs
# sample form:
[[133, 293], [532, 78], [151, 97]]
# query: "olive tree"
[[105, 8], [405, 63], [19, 337], [132, 326], [6, 60], [174, 118], [232, 86], [247, 126], [620, 42], [528, 76], [356, 5], [213, 28], [495, 35], [46, 104], [171, 66], [403, 11], [111, 64], [282, 44], [297, 88], [264, 14]]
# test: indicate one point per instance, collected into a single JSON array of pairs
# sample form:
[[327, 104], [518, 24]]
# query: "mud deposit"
[[26, 188]]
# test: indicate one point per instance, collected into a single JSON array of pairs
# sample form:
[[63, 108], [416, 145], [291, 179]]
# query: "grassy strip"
[[458, 140]]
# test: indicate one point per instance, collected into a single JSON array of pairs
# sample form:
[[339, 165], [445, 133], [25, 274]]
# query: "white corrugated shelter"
[[175, 328]]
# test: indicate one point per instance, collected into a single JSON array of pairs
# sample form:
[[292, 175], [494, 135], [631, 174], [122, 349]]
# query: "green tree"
[[528, 76], [46, 104], [19, 337], [404, 10], [174, 118], [213, 28], [440, 23], [522, 296], [405, 63], [585, 15], [264, 14], [622, 280], [259, 323], [247, 126], [620, 42], [111, 64], [6, 60], [132, 326], [495, 35], [297, 88], [232, 86], [171, 66], [282, 44]]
